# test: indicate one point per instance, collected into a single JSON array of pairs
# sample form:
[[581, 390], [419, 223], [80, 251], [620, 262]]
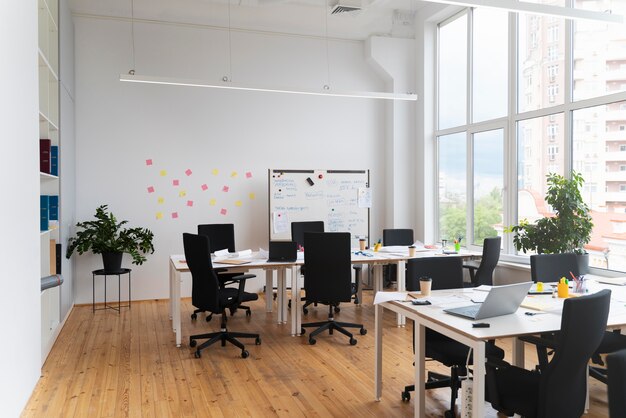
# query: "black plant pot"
[[112, 261], [583, 263]]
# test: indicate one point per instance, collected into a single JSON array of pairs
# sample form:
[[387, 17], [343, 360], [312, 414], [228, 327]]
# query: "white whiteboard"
[[340, 198]]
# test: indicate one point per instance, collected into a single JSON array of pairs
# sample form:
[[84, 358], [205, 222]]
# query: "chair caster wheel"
[[257, 341], [197, 354], [337, 309], [302, 331], [352, 341], [193, 343], [208, 318], [312, 341], [194, 316], [305, 311], [449, 414], [363, 331], [289, 304], [406, 396], [244, 354]]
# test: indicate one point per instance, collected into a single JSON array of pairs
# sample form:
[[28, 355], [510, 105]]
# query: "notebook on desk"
[[283, 251], [501, 300]]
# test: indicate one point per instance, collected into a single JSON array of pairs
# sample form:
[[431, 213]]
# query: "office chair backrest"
[[398, 237], [328, 268], [299, 228], [616, 388], [563, 383], [551, 267], [446, 272], [221, 236], [205, 288], [488, 262]]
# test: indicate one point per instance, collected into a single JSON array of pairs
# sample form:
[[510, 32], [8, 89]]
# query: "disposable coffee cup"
[[362, 244], [425, 285], [411, 251]]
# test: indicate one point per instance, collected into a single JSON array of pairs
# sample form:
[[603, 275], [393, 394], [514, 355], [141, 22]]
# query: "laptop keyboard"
[[471, 310]]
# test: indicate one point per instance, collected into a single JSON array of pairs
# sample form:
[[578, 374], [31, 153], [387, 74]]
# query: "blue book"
[[53, 208], [44, 204], [54, 160]]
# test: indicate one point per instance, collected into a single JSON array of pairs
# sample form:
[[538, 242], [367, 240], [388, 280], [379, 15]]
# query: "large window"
[[570, 115]]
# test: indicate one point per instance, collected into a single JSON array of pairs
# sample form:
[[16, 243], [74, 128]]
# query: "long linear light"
[[228, 85], [536, 8]]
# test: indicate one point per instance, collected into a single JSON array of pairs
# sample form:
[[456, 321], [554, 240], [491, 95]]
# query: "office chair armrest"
[[242, 284]]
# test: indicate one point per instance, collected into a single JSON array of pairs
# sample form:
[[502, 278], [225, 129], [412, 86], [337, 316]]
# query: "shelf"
[[47, 177], [43, 62]]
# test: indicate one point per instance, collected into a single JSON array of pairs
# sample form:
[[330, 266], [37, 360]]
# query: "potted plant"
[[106, 236], [570, 227]]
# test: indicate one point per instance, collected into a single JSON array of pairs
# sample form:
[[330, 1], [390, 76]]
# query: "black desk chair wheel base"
[[332, 325]]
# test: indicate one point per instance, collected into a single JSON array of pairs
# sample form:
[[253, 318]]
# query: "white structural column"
[[394, 60]]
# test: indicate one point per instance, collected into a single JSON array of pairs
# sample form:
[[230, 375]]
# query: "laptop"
[[283, 251], [501, 300]]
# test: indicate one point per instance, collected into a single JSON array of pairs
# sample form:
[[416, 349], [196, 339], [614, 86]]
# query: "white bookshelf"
[[48, 69]]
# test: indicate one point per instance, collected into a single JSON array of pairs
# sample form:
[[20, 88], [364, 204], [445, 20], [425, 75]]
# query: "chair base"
[[331, 326], [435, 381], [195, 313], [224, 336]]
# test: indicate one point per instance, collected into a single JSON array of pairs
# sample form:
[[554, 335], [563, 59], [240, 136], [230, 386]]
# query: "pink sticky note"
[[174, 215], [149, 161], [223, 211], [248, 174], [188, 172], [204, 187], [225, 189], [150, 189], [190, 203], [175, 182]]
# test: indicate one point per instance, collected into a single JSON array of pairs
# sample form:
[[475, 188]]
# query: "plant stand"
[[105, 273]]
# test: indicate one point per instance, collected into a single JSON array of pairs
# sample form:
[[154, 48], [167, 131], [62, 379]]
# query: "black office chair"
[[559, 390], [446, 273], [395, 236], [550, 268], [616, 387], [328, 279], [482, 273], [221, 237], [207, 295]]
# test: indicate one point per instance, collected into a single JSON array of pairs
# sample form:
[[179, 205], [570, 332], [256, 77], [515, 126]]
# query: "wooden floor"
[[111, 365]]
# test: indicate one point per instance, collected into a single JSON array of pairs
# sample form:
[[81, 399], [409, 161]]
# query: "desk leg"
[[420, 369], [378, 351], [296, 309], [478, 388], [280, 294], [518, 353], [359, 293], [175, 305], [378, 278], [269, 290], [401, 287]]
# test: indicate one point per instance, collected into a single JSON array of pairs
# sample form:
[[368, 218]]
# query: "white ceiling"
[[300, 17]]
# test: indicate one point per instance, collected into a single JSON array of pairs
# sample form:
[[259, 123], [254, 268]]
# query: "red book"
[[44, 155]]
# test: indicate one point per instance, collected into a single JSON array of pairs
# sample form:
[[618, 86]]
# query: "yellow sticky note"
[[215, 172], [159, 215], [160, 200], [212, 202], [163, 173], [182, 193], [233, 174], [238, 203], [251, 195]]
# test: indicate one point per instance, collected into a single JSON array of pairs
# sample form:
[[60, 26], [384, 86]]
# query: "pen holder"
[[457, 247], [562, 290]]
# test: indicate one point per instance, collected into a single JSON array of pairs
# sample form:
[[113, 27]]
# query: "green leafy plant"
[[106, 235], [568, 230]]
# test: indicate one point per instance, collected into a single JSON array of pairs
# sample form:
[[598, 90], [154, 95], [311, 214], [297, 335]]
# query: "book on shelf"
[[44, 155], [44, 205], [54, 160], [53, 208], [53, 257]]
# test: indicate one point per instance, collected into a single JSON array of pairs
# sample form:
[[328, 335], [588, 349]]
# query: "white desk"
[[177, 266], [507, 326]]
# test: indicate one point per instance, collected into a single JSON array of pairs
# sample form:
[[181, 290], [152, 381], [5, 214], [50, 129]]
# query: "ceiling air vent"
[[344, 7]]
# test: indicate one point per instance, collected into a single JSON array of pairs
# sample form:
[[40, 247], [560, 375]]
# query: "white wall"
[[120, 125], [20, 358]]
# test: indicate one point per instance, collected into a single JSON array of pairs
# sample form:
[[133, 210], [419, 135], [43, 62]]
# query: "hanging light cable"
[[132, 35]]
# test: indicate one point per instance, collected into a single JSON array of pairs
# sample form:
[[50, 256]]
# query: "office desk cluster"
[[506, 326], [376, 260]]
